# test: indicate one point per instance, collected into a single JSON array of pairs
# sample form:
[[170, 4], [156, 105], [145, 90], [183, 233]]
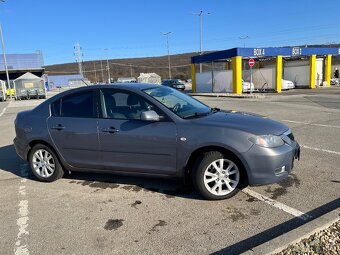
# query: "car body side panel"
[[77, 142], [203, 136], [139, 146]]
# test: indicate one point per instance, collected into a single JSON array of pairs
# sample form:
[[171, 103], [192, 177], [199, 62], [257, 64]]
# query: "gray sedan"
[[147, 129]]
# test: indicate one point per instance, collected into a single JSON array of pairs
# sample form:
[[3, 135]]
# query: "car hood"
[[247, 122]]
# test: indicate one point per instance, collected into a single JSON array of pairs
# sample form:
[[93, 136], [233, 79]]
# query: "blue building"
[[19, 64], [67, 80]]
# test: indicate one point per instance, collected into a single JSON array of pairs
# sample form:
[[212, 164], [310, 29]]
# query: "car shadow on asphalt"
[[98, 181], [11, 162]]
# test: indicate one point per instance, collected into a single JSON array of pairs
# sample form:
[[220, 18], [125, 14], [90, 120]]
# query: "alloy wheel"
[[221, 177]]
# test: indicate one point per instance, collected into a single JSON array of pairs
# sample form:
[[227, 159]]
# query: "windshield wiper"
[[215, 109], [197, 114]]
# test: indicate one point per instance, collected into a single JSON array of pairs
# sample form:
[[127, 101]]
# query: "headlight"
[[268, 141], [22, 91]]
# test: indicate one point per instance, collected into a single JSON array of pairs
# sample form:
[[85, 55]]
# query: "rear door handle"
[[110, 130], [58, 127]]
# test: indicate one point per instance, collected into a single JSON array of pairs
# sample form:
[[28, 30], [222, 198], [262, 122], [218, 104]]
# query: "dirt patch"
[[113, 224], [134, 205], [236, 214], [161, 223], [276, 192], [97, 185]]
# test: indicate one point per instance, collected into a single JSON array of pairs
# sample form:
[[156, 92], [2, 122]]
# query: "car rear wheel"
[[45, 164], [216, 176]]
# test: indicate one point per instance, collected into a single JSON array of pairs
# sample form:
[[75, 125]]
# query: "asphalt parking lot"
[[110, 214]]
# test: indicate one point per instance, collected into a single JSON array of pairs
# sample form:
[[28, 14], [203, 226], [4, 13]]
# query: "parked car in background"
[[2, 91], [335, 81], [246, 87], [153, 130], [286, 84], [174, 83]]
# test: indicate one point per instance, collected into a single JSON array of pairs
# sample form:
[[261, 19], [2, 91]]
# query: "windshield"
[[179, 103]]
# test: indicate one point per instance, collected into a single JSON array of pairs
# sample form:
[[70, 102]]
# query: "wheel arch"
[[225, 151], [35, 142]]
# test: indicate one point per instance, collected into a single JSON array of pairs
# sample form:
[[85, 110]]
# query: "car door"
[[131, 144], [73, 127]]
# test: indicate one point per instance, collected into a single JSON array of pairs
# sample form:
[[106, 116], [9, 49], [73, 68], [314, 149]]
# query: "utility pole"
[[244, 40], [200, 14], [79, 57], [167, 45], [130, 70], [108, 65], [95, 72], [101, 68], [5, 62]]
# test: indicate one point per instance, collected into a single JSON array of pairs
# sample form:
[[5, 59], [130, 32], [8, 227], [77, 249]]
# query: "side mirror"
[[150, 116]]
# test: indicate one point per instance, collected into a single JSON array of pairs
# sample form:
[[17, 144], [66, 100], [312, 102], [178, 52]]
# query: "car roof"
[[130, 86]]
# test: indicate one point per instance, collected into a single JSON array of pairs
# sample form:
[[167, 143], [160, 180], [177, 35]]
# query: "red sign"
[[251, 62]]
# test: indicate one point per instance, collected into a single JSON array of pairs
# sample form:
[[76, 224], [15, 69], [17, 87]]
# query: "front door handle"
[[58, 127], [110, 130]]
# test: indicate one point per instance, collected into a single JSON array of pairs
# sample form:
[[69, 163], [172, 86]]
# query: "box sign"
[[293, 51], [296, 51]]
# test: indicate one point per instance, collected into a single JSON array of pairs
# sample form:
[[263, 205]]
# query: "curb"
[[296, 235], [249, 96]]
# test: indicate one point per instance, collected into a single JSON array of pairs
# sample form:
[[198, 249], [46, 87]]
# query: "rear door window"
[[78, 105]]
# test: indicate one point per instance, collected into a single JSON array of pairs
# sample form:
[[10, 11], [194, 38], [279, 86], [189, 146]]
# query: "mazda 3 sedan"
[[147, 129]]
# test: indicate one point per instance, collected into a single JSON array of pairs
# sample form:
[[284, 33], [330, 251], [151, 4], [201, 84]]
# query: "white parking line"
[[319, 149], [3, 111], [311, 124], [21, 244], [277, 204]]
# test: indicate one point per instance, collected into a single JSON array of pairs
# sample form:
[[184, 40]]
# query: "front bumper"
[[271, 165]]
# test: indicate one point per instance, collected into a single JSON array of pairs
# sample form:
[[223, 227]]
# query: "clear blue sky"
[[131, 28]]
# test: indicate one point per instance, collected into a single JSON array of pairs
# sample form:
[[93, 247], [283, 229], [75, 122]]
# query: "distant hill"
[[180, 67], [124, 67]]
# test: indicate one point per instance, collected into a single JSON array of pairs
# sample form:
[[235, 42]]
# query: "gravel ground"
[[323, 242]]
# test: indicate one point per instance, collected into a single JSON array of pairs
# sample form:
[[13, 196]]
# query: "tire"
[[49, 168], [210, 181]]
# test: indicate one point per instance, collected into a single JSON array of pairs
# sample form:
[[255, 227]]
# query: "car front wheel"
[[216, 176], [45, 164]]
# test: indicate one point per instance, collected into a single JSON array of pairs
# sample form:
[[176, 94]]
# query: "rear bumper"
[[271, 165], [21, 149]]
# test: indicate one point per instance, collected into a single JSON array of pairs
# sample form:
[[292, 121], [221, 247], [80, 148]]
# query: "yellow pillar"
[[278, 83], [193, 77], [237, 74], [312, 68], [328, 70]]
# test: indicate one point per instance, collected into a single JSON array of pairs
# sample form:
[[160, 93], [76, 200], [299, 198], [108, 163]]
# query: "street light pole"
[[200, 14], [244, 40], [167, 45], [5, 62]]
